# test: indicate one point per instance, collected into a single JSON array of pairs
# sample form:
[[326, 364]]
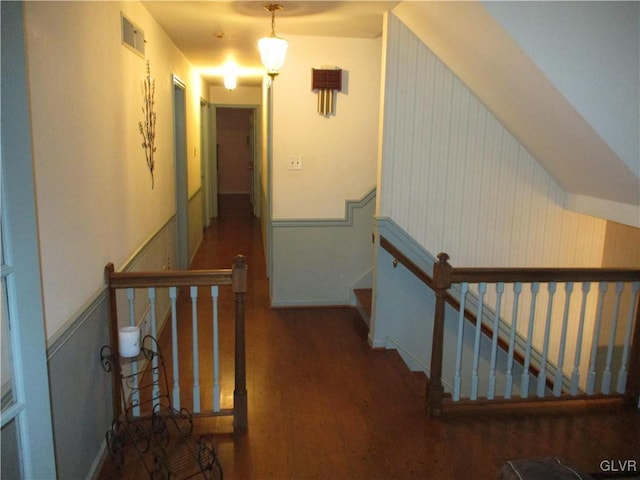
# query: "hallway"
[[322, 404]]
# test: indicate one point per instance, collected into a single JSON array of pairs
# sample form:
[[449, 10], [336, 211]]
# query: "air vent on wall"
[[132, 36]]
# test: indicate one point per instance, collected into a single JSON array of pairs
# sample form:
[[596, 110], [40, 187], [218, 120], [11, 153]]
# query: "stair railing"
[[168, 284], [449, 298], [568, 350]]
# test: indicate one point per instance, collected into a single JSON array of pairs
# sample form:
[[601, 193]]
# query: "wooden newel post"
[[442, 282], [116, 387], [239, 285], [632, 390]]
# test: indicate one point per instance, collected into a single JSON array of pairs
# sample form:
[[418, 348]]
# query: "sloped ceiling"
[[564, 78]]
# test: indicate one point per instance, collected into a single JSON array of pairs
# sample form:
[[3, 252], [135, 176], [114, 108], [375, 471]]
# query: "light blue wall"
[[80, 392], [404, 312], [319, 262], [80, 388]]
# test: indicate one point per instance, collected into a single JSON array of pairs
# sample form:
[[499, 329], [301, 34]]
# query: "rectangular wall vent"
[[132, 36]]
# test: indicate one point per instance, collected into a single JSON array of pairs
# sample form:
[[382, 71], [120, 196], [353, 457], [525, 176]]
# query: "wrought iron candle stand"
[[149, 427]]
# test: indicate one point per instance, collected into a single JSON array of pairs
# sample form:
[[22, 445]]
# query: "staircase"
[[364, 299]]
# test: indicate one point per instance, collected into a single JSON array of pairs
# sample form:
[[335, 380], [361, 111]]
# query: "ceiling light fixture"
[[230, 70], [230, 81], [272, 48]]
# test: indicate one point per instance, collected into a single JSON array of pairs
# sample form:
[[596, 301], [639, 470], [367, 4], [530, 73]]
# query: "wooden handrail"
[[427, 279], [445, 275], [235, 276], [512, 275], [406, 261], [173, 278], [453, 302]]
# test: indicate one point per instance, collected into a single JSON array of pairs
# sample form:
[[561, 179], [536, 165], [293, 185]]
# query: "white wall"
[[237, 96], [529, 101], [95, 201], [339, 152], [457, 181], [590, 51], [313, 209]]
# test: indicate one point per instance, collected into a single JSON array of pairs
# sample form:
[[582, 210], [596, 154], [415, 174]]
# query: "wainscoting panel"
[[457, 181], [317, 262], [81, 392], [80, 388], [404, 311]]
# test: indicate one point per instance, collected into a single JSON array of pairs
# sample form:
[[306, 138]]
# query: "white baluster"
[[557, 383], [173, 295], [494, 341], [575, 377], [456, 377], [535, 287], [482, 288], [131, 298], [517, 288], [542, 376], [216, 359], [196, 362], [151, 293], [135, 398], [591, 378], [622, 374], [606, 375]]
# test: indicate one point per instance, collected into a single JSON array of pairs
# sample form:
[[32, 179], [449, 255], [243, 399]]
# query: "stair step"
[[364, 298]]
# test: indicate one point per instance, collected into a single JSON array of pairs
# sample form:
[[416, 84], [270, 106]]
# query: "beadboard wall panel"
[[457, 181]]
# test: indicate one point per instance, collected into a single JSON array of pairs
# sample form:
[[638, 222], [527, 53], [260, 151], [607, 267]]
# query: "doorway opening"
[[235, 152]]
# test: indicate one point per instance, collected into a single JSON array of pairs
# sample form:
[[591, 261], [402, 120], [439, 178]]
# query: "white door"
[[27, 438]]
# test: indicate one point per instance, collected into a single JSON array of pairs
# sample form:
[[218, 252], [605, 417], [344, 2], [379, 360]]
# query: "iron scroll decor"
[[147, 127]]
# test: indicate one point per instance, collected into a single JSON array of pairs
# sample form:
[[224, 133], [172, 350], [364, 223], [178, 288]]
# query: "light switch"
[[295, 162]]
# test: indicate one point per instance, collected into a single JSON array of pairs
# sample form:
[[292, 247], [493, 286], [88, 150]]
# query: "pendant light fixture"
[[272, 48]]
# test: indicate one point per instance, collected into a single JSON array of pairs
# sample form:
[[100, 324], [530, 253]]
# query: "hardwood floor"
[[322, 404]]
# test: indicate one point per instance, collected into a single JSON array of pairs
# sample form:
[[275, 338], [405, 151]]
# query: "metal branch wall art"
[[147, 127]]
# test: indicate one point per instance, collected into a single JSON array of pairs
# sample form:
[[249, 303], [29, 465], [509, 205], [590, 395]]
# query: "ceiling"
[[212, 33], [479, 50]]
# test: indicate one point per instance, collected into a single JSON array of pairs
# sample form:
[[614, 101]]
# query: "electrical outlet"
[[295, 162]]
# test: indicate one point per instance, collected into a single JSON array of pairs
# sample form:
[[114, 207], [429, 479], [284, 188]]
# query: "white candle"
[[129, 341]]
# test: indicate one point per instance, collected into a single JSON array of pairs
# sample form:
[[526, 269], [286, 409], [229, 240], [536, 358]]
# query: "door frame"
[[255, 155], [181, 172], [205, 161], [21, 274]]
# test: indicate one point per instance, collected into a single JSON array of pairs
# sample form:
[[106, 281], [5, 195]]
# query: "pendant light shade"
[[272, 53], [230, 81], [272, 48]]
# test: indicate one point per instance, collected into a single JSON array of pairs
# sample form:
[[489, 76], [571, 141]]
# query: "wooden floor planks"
[[323, 405]]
